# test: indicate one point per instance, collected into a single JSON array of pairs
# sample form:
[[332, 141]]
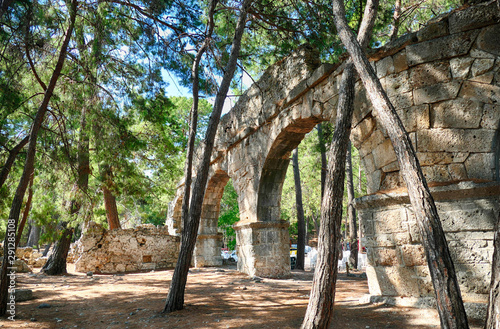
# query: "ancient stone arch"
[[444, 82]]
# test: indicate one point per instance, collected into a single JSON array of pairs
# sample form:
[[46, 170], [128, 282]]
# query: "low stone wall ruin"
[[145, 247]]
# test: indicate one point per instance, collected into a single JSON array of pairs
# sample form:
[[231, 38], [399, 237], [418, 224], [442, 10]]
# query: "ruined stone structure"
[[145, 247], [444, 82]]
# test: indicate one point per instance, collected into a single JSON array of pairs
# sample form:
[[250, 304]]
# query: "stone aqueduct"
[[445, 83]]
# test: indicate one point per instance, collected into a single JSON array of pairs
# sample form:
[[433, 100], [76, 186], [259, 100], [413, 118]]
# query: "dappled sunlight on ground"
[[215, 298]]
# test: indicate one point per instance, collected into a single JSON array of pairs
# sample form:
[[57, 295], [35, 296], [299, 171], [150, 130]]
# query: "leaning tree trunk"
[[15, 210], [493, 315], [449, 300], [34, 235], [301, 225], [175, 298], [56, 264], [193, 115], [351, 211], [26, 211], [319, 309], [11, 158]]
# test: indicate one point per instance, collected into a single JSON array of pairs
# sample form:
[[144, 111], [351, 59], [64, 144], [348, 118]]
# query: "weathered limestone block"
[[434, 29], [399, 60], [396, 83], [489, 40], [429, 74], [413, 255], [385, 66], [454, 140], [458, 113], [447, 47], [473, 17], [460, 67], [437, 92], [481, 92], [384, 154], [481, 166], [415, 118], [491, 116]]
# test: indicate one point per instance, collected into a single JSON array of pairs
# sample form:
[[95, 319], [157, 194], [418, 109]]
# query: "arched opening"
[[275, 168]]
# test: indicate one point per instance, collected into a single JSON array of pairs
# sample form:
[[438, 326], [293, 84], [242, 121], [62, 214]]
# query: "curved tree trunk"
[[448, 297], [319, 309], [301, 225], [351, 211], [175, 298], [9, 241], [11, 158], [26, 211]]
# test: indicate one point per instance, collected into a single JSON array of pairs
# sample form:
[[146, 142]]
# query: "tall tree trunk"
[[9, 242], [11, 158], [324, 164], [449, 300], [175, 298], [493, 314], [56, 264], [395, 21], [301, 225], [351, 211], [34, 235], [111, 209], [319, 309], [26, 211], [193, 115]]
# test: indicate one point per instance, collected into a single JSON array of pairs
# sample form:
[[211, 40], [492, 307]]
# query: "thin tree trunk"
[[324, 164], [319, 309], [493, 313], [56, 264], [395, 20], [34, 235], [9, 242], [300, 212], [111, 209], [26, 211], [193, 115], [448, 297], [351, 211], [175, 299], [11, 158]]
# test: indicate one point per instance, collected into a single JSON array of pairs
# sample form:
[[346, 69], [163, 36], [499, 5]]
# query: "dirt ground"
[[215, 298]]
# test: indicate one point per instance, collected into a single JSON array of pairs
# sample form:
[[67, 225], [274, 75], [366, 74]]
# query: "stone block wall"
[[263, 249], [145, 247]]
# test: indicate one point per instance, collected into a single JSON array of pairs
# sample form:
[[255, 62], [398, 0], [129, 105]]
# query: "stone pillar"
[[263, 248], [207, 250], [397, 266]]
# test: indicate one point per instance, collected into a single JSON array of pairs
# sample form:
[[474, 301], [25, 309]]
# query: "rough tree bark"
[[493, 314], [319, 309], [11, 158], [448, 297], [26, 211], [324, 164], [30, 161], [301, 225], [351, 211], [175, 298], [111, 209]]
